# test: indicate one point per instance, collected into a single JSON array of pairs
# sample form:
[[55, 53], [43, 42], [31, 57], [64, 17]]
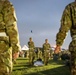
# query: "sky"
[[43, 18]]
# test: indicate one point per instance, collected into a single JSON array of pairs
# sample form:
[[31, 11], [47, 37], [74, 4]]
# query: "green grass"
[[53, 68]]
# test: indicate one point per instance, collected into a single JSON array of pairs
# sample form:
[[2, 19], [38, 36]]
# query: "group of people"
[[45, 49], [68, 22], [9, 41]]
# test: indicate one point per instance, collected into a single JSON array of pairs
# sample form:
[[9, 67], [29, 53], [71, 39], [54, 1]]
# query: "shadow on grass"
[[58, 62], [53, 68], [21, 66], [55, 71], [20, 58]]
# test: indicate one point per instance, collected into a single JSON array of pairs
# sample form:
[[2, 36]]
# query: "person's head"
[[46, 40], [75, 0], [30, 39]]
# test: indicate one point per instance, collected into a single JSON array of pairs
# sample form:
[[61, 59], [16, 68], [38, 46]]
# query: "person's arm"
[[33, 45], [49, 46], [28, 44], [66, 24], [11, 26], [43, 48]]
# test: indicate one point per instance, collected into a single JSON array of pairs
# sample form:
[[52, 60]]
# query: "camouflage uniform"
[[46, 50], [8, 36], [68, 22], [31, 52], [39, 53]]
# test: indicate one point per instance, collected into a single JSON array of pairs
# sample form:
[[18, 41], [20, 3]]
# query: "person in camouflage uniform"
[[9, 41], [31, 51], [68, 22], [46, 50]]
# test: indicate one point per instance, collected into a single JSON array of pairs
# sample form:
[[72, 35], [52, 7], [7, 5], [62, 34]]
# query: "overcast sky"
[[42, 17]]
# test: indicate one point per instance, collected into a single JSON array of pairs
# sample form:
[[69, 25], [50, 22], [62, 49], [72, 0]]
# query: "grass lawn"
[[53, 68]]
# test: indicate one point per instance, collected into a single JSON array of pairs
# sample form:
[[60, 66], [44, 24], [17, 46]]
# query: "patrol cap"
[[30, 38]]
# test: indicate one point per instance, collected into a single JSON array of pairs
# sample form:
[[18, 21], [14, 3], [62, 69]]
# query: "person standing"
[[9, 39], [31, 51], [46, 49], [68, 22]]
